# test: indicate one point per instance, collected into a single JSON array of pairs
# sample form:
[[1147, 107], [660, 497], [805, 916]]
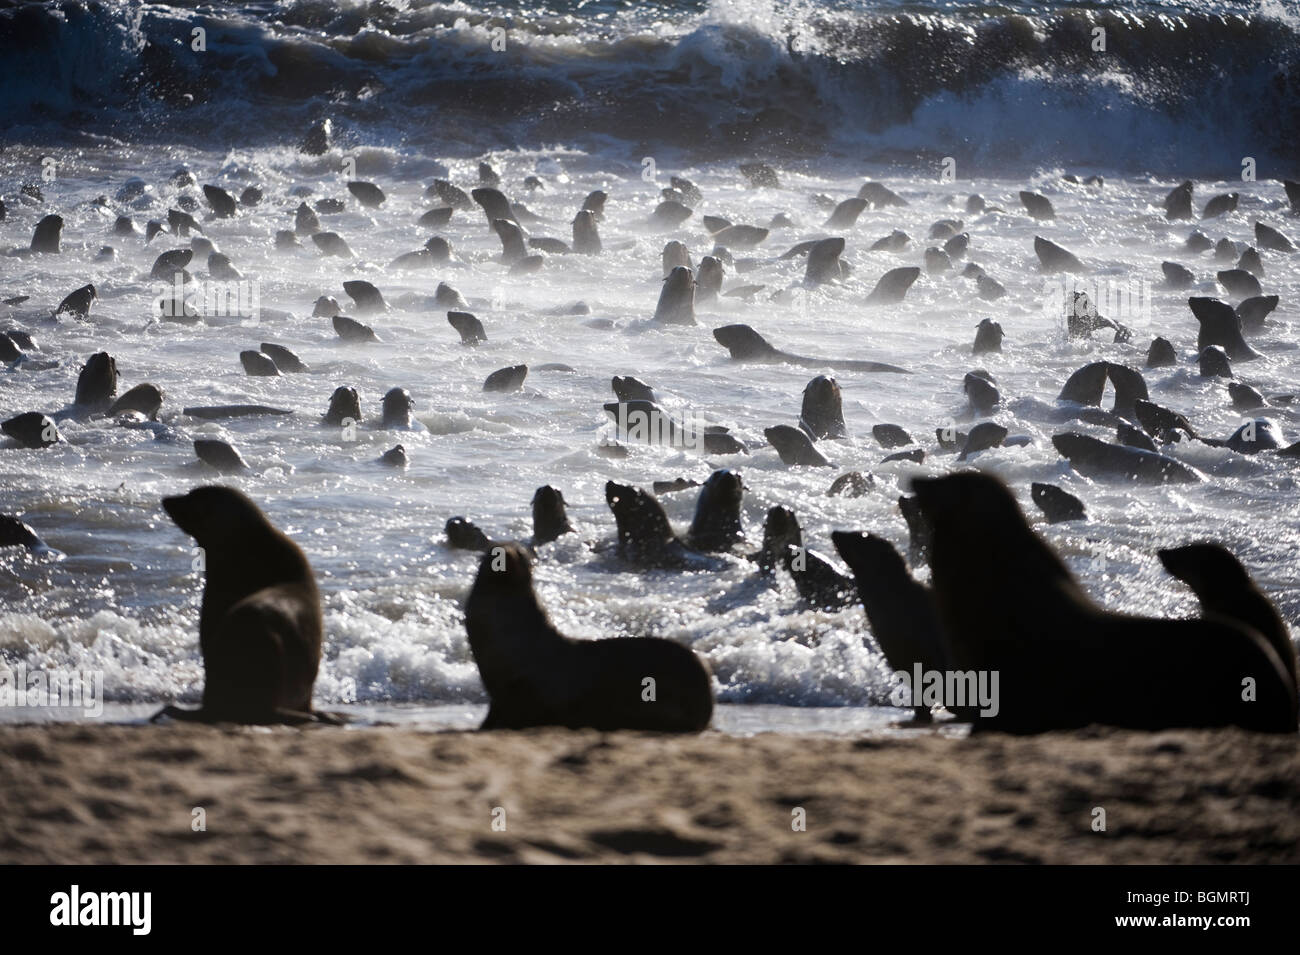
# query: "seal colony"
[[977, 590]]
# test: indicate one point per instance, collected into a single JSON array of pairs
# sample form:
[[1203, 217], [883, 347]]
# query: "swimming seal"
[[822, 412], [77, 303], [220, 455], [676, 304], [644, 421], [1220, 325], [1239, 282], [794, 446], [367, 193], [365, 296], [717, 525], [397, 409], [31, 429], [1094, 458], [745, 344], [536, 676], [586, 237], [513, 249], [260, 625], [350, 330], [16, 533], [1038, 207], [824, 263], [506, 379], [468, 326], [1220, 205], [1057, 505], [1053, 258], [846, 213], [550, 522], [344, 407], [893, 285], [645, 536], [1161, 354], [1224, 587], [1178, 204], [258, 365], [284, 359], [45, 239], [97, 383], [988, 337], [222, 203], [1177, 276], [901, 612], [819, 584], [1213, 362], [1009, 605], [880, 196]]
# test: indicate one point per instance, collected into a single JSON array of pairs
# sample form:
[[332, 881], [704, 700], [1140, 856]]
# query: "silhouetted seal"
[[988, 337], [1220, 325], [1094, 458], [819, 583], [677, 298], [645, 537], [45, 238], [1053, 258], [260, 625], [747, 345], [550, 522], [536, 676], [31, 429], [794, 446], [893, 285], [1224, 587], [1009, 605], [902, 613], [344, 407], [822, 412], [717, 525], [1057, 505], [16, 533]]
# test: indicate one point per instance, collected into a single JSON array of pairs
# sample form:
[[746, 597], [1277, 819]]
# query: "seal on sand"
[[536, 676], [260, 626], [1009, 604]]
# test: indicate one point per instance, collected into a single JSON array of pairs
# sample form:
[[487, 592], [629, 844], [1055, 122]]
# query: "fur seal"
[[1038, 207], [1178, 203], [716, 525], [220, 455], [468, 326], [397, 409], [365, 296], [645, 536], [708, 283], [740, 236], [990, 290], [846, 213], [345, 405], [677, 298], [144, 398], [893, 285], [1245, 398], [31, 429], [1057, 505], [350, 330], [394, 457], [550, 522], [367, 193], [880, 196], [97, 382], [985, 435], [1161, 354], [218, 412], [16, 533], [674, 255], [222, 203], [1213, 362], [317, 140], [45, 239], [901, 612], [851, 484], [444, 296], [506, 379], [536, 676], [1220, 205], [1224, 588], [1253, 311], [988, 337], [77, 303], [586, 237], [760, 175], [1053, 258], [331, 243], [627, 388], [1252, 263], [513, 249], [896, 241], [937, 262], [891, 436], [1177, 276], [643, 420], [220, 269], [824, 263], [1239, 282], [982, 394], [1009, 605], [822, 412], [1094, 458], [284, 359], [494, 204], [794, 446], [260, 626], [745, 344], [258, 365], [819, 584]]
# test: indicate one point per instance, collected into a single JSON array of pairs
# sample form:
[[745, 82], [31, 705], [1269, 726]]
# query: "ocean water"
[[831, 95]]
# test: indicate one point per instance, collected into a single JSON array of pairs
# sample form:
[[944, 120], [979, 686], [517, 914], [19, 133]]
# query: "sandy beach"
[[77, 793]]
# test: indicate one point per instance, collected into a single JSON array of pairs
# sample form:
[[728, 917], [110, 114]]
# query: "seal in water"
[[717, 525], [745, 344], [1056, 504], [822, 413], [31, 429], [677, 298], [46, 237], [794, 446], [550, 522], [988, 337], [220, 455], [1009, 605], [645, 537], [1220, 325], [1094, 458], [536, 676], [893, 285], [260, 626], [345, 407], [1224, 587], [468, 326]]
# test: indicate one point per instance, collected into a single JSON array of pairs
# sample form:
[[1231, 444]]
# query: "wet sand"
[[77, 793]]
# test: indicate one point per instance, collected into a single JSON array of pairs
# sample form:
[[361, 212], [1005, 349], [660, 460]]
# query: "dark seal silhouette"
[[536, 676], [260, 626], [1009, 604]]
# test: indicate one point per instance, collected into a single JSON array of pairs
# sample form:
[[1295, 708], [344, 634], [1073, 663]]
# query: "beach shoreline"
[[104, 794]]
